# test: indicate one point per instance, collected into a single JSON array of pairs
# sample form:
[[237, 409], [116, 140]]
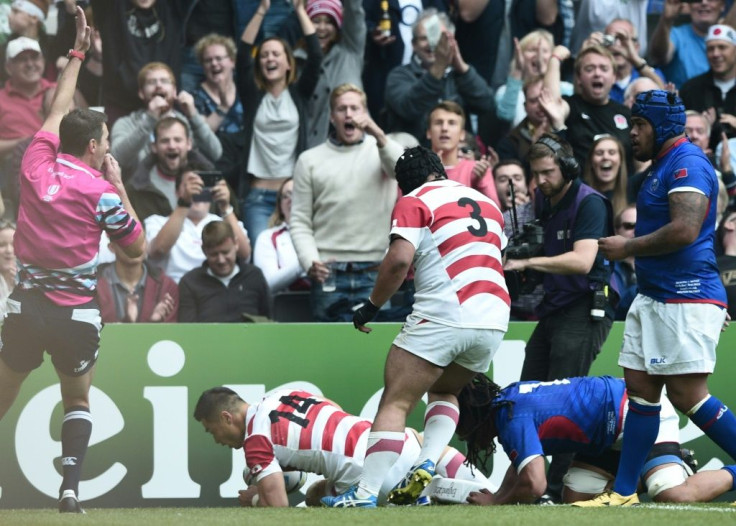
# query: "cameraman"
[[575, 315]]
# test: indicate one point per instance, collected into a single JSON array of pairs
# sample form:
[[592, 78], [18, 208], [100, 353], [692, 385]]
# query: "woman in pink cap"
[[341, 32]]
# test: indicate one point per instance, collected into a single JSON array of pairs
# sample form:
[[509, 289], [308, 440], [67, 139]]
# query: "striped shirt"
[[65, 206], [458, 236], [298, 430]]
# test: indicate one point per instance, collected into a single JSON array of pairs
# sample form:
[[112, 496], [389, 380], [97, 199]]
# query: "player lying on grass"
[[296, 430], [576, 415]]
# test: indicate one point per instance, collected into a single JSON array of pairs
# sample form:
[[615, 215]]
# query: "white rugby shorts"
[[671, 338], [443, 345]]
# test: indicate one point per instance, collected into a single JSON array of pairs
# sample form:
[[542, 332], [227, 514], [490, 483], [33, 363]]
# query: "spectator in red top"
[[131, 290], [21, 100]]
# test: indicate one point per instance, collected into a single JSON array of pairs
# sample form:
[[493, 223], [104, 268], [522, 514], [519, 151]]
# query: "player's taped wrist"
[[365, 314]]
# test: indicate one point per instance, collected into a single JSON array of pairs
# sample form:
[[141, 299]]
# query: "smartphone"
[[210, 179], [434, 31]]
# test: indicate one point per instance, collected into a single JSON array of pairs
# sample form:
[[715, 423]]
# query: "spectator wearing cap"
[[21, 99], [341, 30], [26, 19], [715, 90], [680, 50]]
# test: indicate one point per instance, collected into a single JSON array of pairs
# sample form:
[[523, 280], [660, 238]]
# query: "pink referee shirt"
[[64, 207]]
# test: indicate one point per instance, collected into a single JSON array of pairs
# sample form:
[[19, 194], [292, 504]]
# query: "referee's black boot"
[[68, 503]]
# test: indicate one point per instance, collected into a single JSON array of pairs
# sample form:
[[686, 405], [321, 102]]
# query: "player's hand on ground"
[[481, 498], [245, 496]]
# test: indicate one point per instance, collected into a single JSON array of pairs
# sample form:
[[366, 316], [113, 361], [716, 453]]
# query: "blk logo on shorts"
[[656, 361]]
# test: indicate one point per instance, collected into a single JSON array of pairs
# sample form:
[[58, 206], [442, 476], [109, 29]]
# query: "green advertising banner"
[[147, 450]]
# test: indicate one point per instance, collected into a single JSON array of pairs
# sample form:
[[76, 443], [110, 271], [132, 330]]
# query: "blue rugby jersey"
[[570, 415], [689, 274]]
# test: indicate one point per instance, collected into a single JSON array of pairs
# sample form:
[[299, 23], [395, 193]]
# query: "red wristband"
[[73, 53]]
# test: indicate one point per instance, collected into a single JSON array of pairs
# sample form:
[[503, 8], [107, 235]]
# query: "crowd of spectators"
[[233, 110]]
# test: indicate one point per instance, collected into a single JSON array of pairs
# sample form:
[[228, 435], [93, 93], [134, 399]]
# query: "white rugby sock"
[[382, 452], [440, 422]]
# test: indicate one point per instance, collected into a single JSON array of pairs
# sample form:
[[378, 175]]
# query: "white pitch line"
[[685, 507]]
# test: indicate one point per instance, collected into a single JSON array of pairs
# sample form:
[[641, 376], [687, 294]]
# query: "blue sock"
[[640, 431], [719, 423], [732, 471]]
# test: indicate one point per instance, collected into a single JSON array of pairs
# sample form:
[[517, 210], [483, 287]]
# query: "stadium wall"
[[147, 450]]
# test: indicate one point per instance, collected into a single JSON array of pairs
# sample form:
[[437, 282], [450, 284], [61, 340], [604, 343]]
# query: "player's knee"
[[582, 480], [668, 484]]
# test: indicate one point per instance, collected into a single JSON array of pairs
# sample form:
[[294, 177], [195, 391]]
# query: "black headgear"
[[415, 165], [569, 166], [664, 110]]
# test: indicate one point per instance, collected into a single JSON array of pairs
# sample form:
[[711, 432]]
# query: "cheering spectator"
[[445, 130], [26, 19], [132, 290], [437, 71], [131, 135], [135, 33], [680, 51], [348, 176], [175, 242], [605, 171], [274, 115]]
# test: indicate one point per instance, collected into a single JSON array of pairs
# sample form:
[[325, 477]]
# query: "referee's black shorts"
[[34, 324]]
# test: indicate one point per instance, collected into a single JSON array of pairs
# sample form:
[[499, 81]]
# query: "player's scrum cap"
[[415, 165], [331, 8], [721, 32], [19, 45], [664, 110]]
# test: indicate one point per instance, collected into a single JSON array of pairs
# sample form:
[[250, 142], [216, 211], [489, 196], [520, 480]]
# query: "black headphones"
[[569, 166]]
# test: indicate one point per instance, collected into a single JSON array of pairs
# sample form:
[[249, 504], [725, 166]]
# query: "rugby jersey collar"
[[75, 164]]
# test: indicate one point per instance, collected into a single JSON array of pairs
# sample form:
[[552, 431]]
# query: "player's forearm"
[[670, 238], [391, 274]]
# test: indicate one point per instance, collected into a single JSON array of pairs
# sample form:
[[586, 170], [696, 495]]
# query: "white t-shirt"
[[186, 254]]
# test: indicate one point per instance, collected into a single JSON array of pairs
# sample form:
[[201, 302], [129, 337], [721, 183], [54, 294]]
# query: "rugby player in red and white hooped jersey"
[[297, 430], [454, 236]]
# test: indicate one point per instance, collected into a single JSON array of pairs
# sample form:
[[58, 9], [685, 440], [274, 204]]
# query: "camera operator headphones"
[[569, 166]]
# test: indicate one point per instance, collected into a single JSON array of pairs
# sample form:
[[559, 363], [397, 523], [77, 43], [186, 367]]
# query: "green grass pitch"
[[712, 514]]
